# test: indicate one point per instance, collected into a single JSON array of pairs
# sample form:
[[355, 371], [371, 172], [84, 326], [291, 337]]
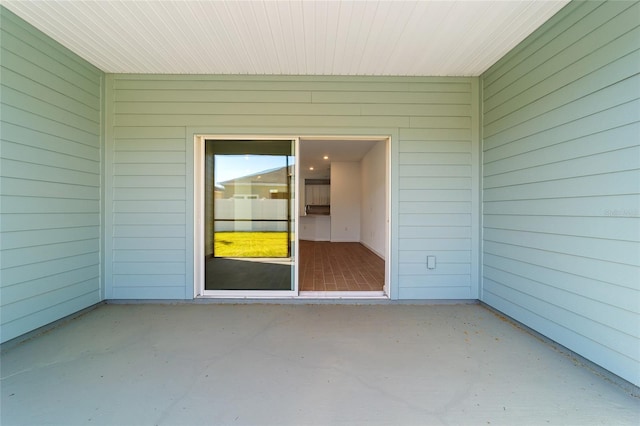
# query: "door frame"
[[198, 220]]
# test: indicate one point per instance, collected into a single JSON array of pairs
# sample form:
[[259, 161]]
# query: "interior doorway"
[[344, 211]]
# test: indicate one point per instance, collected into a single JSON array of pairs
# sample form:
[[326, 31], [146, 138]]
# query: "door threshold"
[[342, 295], [285, 295]]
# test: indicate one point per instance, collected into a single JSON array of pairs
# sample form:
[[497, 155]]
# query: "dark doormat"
[[233, 274]]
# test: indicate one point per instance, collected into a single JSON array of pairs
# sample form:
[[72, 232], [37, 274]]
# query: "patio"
[[302, 364]]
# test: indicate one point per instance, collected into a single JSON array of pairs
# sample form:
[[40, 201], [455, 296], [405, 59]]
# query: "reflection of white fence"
[[250, 215]]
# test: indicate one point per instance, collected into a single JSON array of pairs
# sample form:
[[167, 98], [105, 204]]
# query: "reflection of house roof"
[[273, 176]]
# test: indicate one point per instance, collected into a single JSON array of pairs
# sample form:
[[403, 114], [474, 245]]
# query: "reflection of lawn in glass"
[[250, 244]]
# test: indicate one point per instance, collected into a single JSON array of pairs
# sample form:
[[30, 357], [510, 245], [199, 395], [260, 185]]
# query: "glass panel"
[[248, 224]]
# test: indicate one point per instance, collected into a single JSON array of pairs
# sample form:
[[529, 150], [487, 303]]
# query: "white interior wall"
[[345, 201], [373, 212]]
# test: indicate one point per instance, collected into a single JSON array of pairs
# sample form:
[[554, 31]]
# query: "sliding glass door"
[[249, 215]]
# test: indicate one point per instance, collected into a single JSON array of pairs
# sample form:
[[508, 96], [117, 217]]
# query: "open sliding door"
[[249, 218]]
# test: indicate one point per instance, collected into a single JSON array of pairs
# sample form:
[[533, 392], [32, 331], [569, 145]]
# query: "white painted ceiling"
[[419, 38], [313, 151]]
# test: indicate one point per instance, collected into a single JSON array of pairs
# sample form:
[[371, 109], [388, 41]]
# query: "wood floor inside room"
[[327, 266]]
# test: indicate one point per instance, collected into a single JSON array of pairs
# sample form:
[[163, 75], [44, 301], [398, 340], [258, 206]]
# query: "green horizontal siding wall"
[[561, 183], [435, 168], [50, 175]]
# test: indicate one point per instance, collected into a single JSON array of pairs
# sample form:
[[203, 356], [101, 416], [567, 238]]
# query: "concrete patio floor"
[[296, 364]]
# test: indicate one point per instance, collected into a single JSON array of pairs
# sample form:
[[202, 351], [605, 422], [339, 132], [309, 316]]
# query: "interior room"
[[343, 228]]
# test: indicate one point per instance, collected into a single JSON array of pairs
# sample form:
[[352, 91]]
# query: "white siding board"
[[561, 186]]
